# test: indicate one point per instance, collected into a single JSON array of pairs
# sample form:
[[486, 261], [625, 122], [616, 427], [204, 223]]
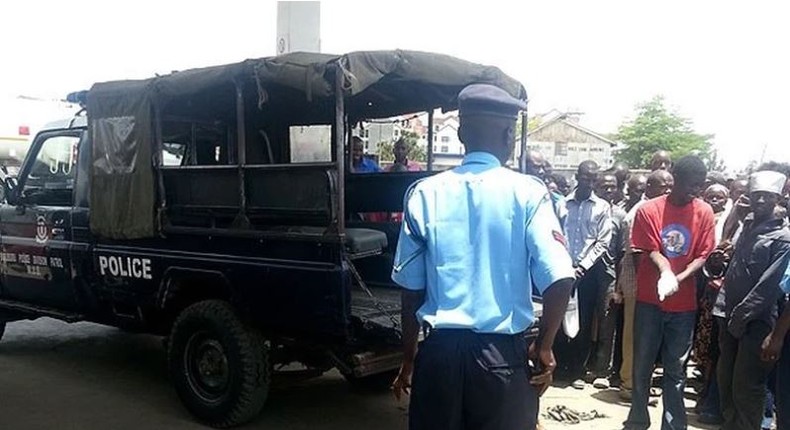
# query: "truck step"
[[36, 311]]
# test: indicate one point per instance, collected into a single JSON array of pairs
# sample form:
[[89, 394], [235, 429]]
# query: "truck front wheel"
[[220, 367]]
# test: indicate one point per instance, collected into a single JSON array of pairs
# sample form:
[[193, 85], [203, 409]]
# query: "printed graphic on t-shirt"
[[676, 240]]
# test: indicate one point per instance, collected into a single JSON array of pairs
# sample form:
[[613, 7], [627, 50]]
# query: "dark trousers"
[[606, 317], [710, 394], [604, 360], [783, 388], [671, 334], [617, 358], [742, 376], [467, 380], [572, 354], [768, 407]]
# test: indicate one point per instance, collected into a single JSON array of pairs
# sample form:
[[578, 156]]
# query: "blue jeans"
[[671, 333]]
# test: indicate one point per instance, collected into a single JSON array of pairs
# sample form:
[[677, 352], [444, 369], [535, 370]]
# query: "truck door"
[[35, 227]]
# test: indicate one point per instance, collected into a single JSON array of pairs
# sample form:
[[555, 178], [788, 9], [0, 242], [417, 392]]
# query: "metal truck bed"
[[383, 309]]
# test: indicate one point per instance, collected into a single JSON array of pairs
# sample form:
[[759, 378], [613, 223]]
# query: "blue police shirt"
[[477, 238], [366, 165]]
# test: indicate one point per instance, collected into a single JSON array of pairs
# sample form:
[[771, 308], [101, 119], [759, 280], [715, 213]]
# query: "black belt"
[[530, 333]]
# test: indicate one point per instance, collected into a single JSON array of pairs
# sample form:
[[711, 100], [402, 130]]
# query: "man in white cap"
[[473, 243], [751, 294]]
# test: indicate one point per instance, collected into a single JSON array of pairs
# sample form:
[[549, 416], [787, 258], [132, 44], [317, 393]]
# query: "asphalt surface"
[[85, 376]]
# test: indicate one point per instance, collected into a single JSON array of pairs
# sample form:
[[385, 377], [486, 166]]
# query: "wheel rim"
[[207, 367]]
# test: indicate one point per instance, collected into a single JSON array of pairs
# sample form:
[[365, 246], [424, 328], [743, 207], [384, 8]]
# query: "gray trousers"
[[742, 376]]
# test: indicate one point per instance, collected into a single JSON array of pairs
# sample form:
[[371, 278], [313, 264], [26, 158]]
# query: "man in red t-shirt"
[[674, 234]]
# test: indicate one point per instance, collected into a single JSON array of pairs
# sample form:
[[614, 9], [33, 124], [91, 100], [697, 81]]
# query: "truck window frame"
[[32, 154]]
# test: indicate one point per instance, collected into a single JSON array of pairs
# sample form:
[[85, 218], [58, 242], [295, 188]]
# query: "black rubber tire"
[[372, 383], [2, 329], [246, 357]]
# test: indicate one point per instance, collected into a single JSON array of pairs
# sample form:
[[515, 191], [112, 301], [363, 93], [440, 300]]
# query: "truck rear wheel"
[[220, 367]]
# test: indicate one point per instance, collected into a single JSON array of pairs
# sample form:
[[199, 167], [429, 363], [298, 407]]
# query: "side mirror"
[[10, 190]]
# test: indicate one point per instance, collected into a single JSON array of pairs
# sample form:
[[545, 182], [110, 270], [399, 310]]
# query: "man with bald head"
[[636, 190], [535, 164], [658, 183], [621, 172], [661, 160]]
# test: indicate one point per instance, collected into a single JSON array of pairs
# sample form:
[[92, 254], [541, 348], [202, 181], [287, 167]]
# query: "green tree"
[[532, 123], [415, 151], [715, 162], [654, 128]]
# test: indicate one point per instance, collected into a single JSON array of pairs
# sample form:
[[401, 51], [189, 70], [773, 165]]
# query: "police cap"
[[485, 99]]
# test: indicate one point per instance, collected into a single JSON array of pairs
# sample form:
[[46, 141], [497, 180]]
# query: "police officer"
[[473, 241]]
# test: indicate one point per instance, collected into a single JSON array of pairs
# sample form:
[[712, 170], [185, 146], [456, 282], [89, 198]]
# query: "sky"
[[723, 64]]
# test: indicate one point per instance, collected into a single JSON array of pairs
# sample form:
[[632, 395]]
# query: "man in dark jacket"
[[751, 293], [777, 347]]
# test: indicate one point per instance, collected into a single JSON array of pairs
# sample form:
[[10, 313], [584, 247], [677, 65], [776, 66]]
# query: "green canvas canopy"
[[298, 87]]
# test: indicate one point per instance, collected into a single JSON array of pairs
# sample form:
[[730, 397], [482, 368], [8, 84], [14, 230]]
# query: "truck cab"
[[37, 221]]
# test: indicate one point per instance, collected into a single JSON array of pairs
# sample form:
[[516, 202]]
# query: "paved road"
[[85, 376]]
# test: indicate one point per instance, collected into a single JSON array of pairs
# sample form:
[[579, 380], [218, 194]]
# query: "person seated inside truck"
[[397, 168], [402, 164], [362, 164]]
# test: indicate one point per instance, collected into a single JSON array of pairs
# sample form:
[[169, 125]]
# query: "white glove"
[[667, 285]]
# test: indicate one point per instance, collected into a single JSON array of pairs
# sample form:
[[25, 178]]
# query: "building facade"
[[565, 144]]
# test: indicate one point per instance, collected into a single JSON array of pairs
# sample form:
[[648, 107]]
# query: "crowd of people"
[[682, 270]]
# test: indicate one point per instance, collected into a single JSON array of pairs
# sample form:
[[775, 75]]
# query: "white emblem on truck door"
[[125, 267], [42, 232]]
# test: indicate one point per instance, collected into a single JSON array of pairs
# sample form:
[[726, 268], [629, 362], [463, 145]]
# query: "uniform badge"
[[559, 237]]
